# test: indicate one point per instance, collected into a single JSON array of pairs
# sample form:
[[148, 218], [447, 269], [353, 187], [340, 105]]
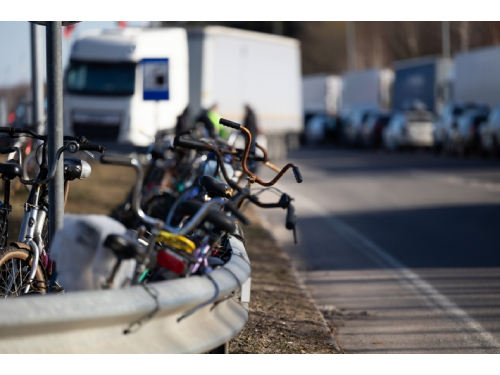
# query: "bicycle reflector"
[[171, 261]]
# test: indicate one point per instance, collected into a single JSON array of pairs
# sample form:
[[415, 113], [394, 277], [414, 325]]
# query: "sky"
[[15, 60]]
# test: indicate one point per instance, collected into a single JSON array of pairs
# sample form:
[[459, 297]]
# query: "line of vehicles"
[[448, 105]]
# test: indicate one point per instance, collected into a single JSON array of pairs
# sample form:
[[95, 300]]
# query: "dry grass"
[[282, 319]]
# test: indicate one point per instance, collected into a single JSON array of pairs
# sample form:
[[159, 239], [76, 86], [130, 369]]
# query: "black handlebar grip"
[[116, 160], [92, 147], [229, 124], [7, 150], [242, 218], [297, 174], [290, 217], [190, 143]]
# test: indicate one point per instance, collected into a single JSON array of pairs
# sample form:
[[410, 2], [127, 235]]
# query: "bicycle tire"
[[22, 258]]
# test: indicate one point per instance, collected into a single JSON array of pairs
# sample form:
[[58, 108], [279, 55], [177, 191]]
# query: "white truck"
[[321, 94], [367, 89], [477, 76], [122, 86]]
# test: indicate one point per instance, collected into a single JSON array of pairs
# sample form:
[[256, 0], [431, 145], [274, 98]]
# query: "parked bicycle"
[[25, 265]]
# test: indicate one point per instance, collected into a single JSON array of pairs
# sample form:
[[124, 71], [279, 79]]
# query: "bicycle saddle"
[[215, 187], [11, 169]]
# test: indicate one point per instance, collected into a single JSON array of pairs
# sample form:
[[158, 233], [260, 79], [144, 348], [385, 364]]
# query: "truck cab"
[[122, 86]]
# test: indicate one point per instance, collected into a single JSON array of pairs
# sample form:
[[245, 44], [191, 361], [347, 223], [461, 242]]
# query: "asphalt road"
[[402, 249]]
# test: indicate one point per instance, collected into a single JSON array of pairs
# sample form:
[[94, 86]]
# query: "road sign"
[[156, 79]]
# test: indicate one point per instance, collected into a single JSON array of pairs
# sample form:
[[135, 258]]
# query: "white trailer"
[[321, 94], [477, 76], [368, 89], [122, 86], [234, 67]]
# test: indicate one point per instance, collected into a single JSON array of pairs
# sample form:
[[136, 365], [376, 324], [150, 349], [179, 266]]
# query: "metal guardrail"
[[95, 321]]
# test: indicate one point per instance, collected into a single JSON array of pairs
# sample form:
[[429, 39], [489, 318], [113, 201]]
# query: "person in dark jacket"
[[250, 122], [182, 126]]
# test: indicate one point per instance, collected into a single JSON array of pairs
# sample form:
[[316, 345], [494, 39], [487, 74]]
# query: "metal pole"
[[446, 38], [55, 123], [37, 79], [278, 27], [351, 45]]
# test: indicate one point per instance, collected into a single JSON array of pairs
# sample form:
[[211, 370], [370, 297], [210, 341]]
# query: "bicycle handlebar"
[[290, 217], [73, 146], [7, 150], [192, 144], [230, 124], [255, 178], [85, 144], [117, 160]]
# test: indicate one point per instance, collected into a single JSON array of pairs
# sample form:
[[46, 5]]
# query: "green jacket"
[[222, 130]]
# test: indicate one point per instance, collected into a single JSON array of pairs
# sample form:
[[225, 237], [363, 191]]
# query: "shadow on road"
[[437, 237]]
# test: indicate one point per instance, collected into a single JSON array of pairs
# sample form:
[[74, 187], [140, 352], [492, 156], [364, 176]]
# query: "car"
[[444, 125], [409, 129], [322, 128], [353, 127], [489, 134], [464, 138], [371, 133]]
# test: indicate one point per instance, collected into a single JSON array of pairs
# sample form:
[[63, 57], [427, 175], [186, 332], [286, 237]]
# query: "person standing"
[[182, 125], [250, 122]]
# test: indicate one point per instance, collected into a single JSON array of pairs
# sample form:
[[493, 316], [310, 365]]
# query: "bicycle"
[[26, 264]]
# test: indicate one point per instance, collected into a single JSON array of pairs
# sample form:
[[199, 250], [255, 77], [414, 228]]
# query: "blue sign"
[[155, 79]]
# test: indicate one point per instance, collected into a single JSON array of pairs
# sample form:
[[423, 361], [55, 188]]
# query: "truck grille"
[[96, 132]]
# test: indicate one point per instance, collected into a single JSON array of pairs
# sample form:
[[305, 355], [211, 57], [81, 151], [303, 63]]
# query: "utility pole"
[[351, 45], [278, 27], [55, 123], [37, 80], [446, 38]]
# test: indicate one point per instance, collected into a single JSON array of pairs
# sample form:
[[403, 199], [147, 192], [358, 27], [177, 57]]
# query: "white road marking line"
[[410, 279]]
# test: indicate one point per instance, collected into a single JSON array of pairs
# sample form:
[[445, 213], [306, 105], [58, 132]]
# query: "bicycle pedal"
[[56, 288]]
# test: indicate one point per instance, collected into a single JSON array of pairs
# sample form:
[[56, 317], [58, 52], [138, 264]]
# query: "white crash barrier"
[[139, 319]]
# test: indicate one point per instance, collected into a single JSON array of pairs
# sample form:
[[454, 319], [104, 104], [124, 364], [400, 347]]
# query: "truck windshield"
[[91, 78]]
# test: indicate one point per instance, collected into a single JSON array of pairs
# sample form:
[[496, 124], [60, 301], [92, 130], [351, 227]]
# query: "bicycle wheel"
[[15, 266]]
